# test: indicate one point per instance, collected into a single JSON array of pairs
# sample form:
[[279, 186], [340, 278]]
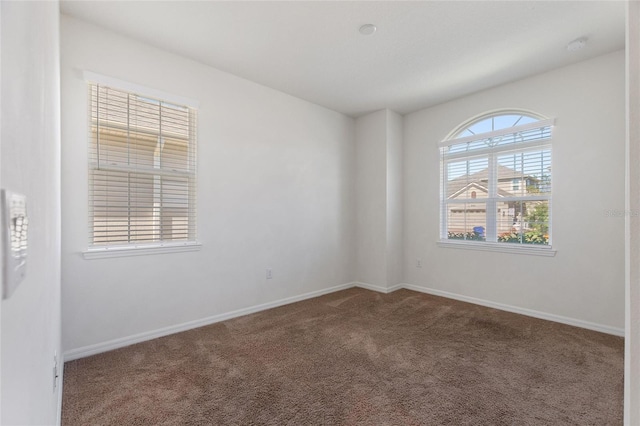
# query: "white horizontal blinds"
[[467, 184], [142, 169], [496, 181], [525, 176]]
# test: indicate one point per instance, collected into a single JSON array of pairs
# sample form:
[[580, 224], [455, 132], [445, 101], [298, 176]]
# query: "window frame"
[[491, 154], [97, 251]]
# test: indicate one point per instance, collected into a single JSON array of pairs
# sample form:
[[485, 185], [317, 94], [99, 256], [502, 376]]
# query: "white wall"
[[30, 164], [395, 198], [632, 240], [379, 199], [371, 195], [585, 280], [275, 189]]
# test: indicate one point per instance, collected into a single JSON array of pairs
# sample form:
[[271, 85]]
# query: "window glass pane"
[[467, 221], [174, 202], [467, 179], [523, 222], [139, 207], [524, 173], [144, 115], [483, 126], [175, 121], [498, 122], [109, 107], [142, 169], [509, 120], [174, 154], [122, 148]]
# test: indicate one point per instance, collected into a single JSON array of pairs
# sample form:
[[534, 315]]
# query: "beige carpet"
[[357, 357]]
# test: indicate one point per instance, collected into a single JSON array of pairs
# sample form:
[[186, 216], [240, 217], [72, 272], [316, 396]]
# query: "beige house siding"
[[465, 217]]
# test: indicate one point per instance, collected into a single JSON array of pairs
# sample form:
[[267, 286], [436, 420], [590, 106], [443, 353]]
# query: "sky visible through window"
[[495, 123]]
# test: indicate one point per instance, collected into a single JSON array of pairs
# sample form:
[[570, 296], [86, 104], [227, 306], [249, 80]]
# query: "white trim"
[[138, 89], [540, 197], [97, 348], [140, 250], [517, 310], [498, 197], [513, 248], [394, 288], [378, 288], [59, 388]]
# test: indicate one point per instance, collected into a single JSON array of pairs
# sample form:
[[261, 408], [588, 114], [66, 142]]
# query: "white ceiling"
[[424, 52]]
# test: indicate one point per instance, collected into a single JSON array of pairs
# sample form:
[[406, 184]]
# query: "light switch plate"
[[14, 241]]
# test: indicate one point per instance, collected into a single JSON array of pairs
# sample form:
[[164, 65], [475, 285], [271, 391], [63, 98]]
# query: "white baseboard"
[[378, 288], [517, 310], [86, 351], [394, 288], [110, 345]]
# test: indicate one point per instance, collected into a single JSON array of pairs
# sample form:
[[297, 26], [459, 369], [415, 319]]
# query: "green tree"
[[538, 186], [538, 218]]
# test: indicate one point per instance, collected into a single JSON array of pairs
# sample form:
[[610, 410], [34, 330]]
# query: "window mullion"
[[129, 164], [443, 198], [491, 234], [158, 231]]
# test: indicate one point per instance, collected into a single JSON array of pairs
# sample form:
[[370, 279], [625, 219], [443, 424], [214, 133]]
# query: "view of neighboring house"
[[471, 216]]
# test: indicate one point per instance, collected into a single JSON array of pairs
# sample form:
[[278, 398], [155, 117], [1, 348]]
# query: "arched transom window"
[[496, 181]]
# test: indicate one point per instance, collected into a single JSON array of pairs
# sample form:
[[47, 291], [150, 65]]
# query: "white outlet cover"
[[14, 240]]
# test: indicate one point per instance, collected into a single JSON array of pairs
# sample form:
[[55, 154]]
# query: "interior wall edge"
[[379, 289], [632, 226]]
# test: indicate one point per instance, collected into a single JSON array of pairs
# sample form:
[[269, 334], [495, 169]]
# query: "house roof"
[[480, 180]]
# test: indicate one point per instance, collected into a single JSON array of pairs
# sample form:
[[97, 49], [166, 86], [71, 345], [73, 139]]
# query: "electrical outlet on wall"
[[269, 273], [418, 263]]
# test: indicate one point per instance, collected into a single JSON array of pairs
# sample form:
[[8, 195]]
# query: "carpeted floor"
[[357, 357]]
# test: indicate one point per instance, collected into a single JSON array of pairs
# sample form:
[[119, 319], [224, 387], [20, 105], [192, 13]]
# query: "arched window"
[[497, 162]]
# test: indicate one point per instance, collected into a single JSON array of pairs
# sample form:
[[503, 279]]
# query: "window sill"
[[499, 247], [140, 250]]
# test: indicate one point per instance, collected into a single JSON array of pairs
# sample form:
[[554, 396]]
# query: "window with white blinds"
[[496, 181], [142, 170]]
